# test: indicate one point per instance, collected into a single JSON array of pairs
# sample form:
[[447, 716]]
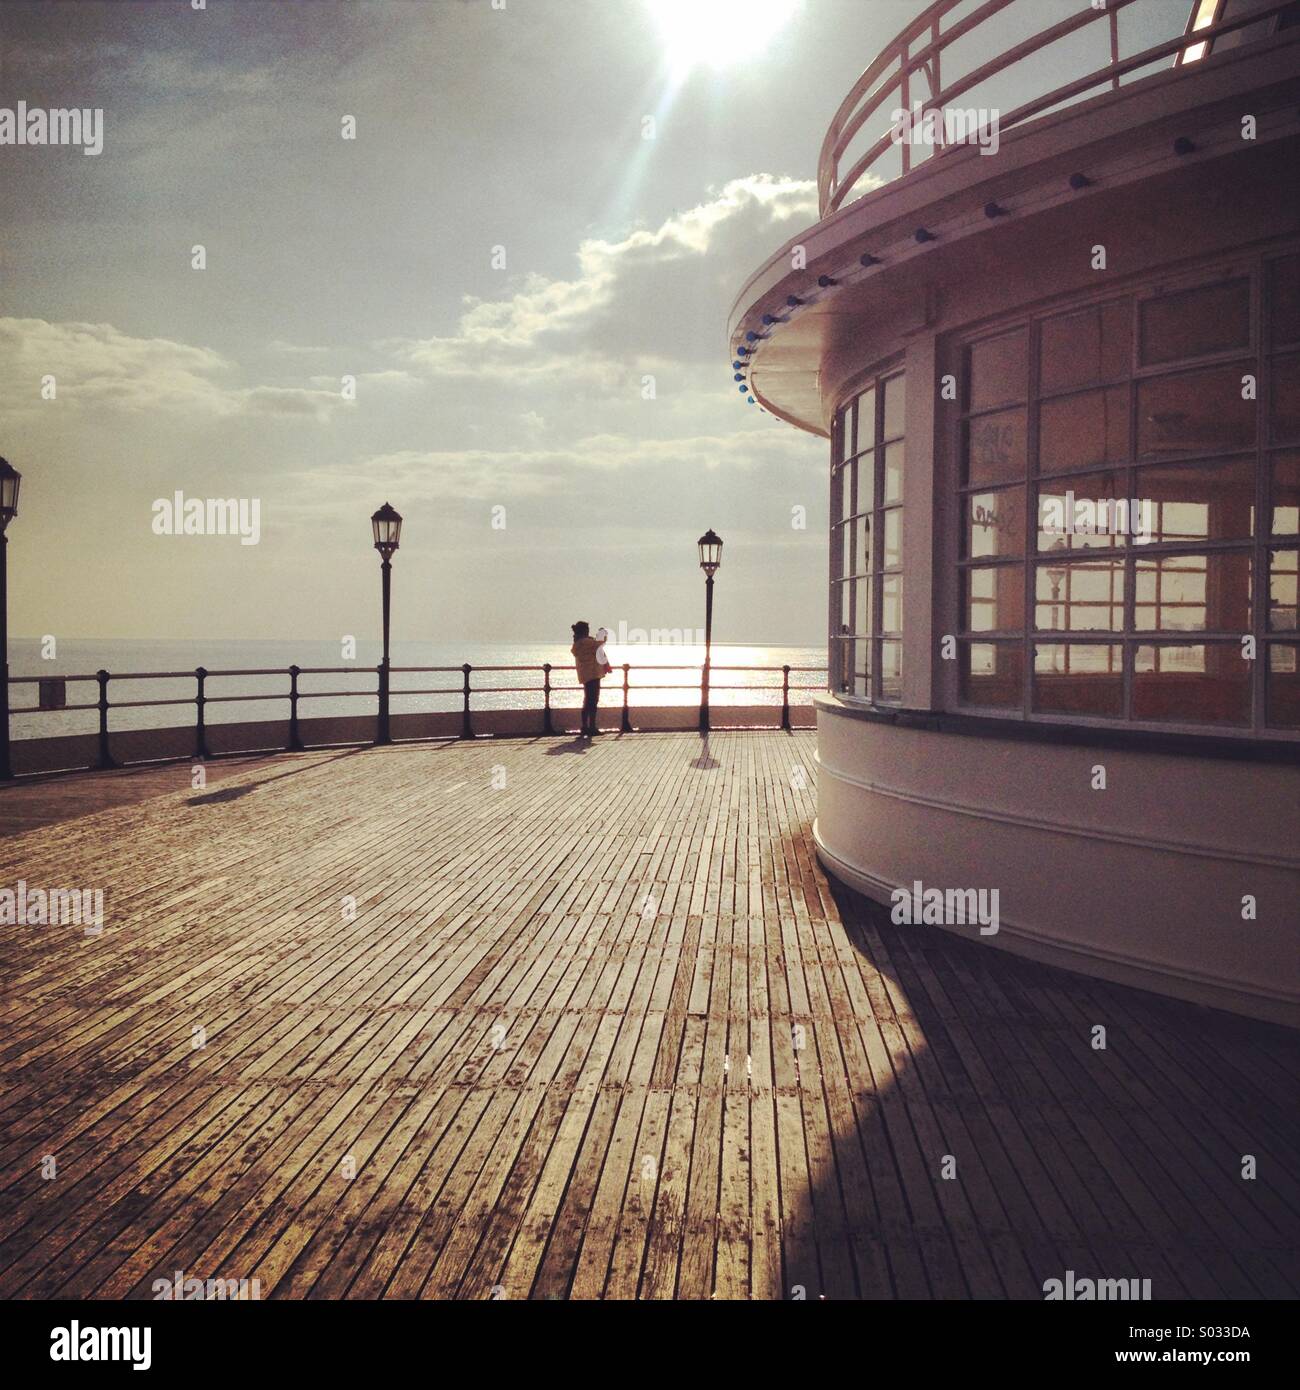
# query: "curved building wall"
[[1104, 727]]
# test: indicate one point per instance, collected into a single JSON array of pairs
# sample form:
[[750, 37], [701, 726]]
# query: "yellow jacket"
[[590, 667]]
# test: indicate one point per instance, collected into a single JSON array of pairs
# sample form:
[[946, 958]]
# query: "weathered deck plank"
[[513, 1019]]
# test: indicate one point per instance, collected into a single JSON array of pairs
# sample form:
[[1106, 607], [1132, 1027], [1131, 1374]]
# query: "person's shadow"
[[577, 745]]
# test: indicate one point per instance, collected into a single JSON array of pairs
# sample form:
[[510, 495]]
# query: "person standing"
[[588, 658]]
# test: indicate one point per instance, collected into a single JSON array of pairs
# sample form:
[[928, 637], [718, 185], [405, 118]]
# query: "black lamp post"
[[9, 481], [710, 562], [388, 532]]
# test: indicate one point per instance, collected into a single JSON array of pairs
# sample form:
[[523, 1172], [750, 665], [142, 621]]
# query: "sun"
[[717, 33]]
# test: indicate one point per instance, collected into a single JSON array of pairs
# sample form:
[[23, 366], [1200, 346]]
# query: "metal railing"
[[909, 76], [465, 690]]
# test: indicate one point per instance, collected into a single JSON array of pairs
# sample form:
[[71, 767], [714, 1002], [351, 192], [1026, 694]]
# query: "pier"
[[526, 1018]]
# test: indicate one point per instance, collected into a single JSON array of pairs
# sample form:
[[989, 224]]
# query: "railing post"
[[936, 82], [295, 739], [785, 697], [627, 723], [1114, 48], [905, 102], [466, 728], [105, 759], [381, 730], [547, 727], [201, 731]]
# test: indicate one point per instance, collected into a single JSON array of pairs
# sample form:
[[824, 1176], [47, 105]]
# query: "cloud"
[[391, 377], [184, 74], [96, 366], [294, 349], [612, 465], [288, 400], [627, 306]]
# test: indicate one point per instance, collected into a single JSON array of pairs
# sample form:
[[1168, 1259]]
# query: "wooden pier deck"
[[509, 1019]]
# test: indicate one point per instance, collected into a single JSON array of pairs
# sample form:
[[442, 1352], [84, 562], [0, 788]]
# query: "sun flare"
[[717, 33]]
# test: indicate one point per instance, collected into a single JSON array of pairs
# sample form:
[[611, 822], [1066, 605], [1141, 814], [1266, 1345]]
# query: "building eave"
[[1119, 138]]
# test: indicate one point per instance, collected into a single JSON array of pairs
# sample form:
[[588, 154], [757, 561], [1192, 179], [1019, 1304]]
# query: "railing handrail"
[[210, 672], [294, 694], [877, 83]]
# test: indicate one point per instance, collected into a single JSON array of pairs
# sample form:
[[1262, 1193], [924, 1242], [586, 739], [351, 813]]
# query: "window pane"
[[894, 404], [995, 599], [1283, 686], [862, 543], [1197, 412], [862, 668], [894, 472], [1282, 566], [1212, 318], [891, 603], [865, 497], [992, 674], [998, 370], [1286, 494], [1284, 284], [1207, 683], [866, 417], [995, 523], [1083, 430], [1092, 345], [844, 668], [1079, 678], [846, 478], [853, 662], [1285, 421], [1196, 501], [862, 607], [1084, 513], [891, 670], [893, 555], [1080, 597], [845, 623], [846, 432], [1192, 593], [995, 450], [844, 549]]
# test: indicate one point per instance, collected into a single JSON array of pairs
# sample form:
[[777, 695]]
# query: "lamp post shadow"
[[705, 762]]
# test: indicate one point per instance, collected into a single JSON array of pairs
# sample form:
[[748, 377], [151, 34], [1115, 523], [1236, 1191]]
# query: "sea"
[[160, 669]]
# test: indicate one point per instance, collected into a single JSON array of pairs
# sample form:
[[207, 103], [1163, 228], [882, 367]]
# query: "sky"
[[524, 262], [500, 258]]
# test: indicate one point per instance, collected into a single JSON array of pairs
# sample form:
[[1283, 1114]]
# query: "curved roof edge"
[[1115, 139]]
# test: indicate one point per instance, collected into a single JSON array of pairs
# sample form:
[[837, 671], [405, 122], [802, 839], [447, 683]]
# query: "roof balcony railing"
[[910, 75]]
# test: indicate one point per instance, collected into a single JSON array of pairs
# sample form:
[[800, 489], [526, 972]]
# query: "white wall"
[[1141, 883]]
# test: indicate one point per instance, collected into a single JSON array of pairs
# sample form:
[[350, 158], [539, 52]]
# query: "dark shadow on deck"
[[572, 745], [1119, 1164], [243, 788], [705, 762]]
